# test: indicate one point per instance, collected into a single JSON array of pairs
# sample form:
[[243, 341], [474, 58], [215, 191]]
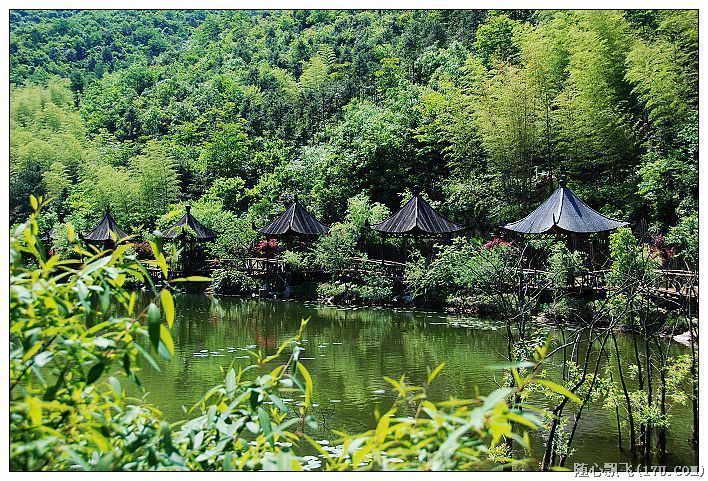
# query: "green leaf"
[[166, 433], [126, 363], [168, 306], [495, 397], [230, 381], [41, 359], [435, 372], [166, 339], [34, 410], [192, 279], [146, 355], [557, 388], [264, 421], [115, 385], [153, 315], [160, 258], [308, 383], [95, 372]]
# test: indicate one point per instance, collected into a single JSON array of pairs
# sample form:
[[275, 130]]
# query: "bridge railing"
[[676, 282]]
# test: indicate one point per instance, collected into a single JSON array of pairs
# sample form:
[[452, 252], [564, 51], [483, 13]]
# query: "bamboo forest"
[[370, 240]]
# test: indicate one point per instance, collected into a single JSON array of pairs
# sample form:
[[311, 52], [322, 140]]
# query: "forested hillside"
[[236, 111]]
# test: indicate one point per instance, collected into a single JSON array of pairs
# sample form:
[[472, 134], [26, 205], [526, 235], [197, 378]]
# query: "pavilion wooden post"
[[383, 236]]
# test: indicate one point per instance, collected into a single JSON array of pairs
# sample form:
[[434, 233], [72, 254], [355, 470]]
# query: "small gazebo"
[[106, 231], [563, 214], [417, 219], [193, 232], [188, 224], [296, 221]]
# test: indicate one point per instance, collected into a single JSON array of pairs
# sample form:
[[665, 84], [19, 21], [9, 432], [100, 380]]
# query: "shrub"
[[331, 291], [376, 288], [563, 265], [227, 280], [297, 261], [685, 237], [76, 340]]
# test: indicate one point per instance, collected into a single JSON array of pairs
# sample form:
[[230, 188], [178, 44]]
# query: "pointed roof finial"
[[296, 199], [188, 208], [416, 189]]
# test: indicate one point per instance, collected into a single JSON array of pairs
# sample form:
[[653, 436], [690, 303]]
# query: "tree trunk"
[[630, 414]]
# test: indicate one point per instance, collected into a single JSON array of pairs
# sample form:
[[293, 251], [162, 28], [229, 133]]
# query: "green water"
[[348, 352]]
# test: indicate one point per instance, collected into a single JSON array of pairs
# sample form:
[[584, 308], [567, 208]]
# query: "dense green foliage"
[[236, 111]]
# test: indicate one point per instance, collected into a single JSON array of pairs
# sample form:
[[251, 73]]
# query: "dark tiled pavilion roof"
[[564, 212], [417, 217], [201, 232], [106, 230], [295, 220]]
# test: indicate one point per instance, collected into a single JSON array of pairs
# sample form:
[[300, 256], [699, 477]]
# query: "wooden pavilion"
[[417, 219], [107, 231], [189, 230], [564, 214], [189, 225], [296, 221]]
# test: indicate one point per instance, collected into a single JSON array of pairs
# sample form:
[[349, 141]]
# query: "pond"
[[349, 351]]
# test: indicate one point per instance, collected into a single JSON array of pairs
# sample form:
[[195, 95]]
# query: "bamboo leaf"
[[435, 372], [308, 383], [266, 427], [557, 388], [34, 410], [95, 372], [166, 339], [153, 315], [168, 306]]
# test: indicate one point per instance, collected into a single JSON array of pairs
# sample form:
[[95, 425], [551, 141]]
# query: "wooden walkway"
[[260, 266]]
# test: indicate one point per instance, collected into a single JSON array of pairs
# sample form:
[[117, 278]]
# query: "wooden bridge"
[[277, 267]]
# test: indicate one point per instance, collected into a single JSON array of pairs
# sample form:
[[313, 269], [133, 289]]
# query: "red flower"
[[496, 241], [266, 246]]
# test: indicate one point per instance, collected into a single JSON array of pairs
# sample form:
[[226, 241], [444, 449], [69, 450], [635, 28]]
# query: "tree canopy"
[[237, 111]]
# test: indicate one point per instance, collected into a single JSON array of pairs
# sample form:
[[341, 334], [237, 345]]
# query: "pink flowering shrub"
[[266, 247], [496, 241]]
